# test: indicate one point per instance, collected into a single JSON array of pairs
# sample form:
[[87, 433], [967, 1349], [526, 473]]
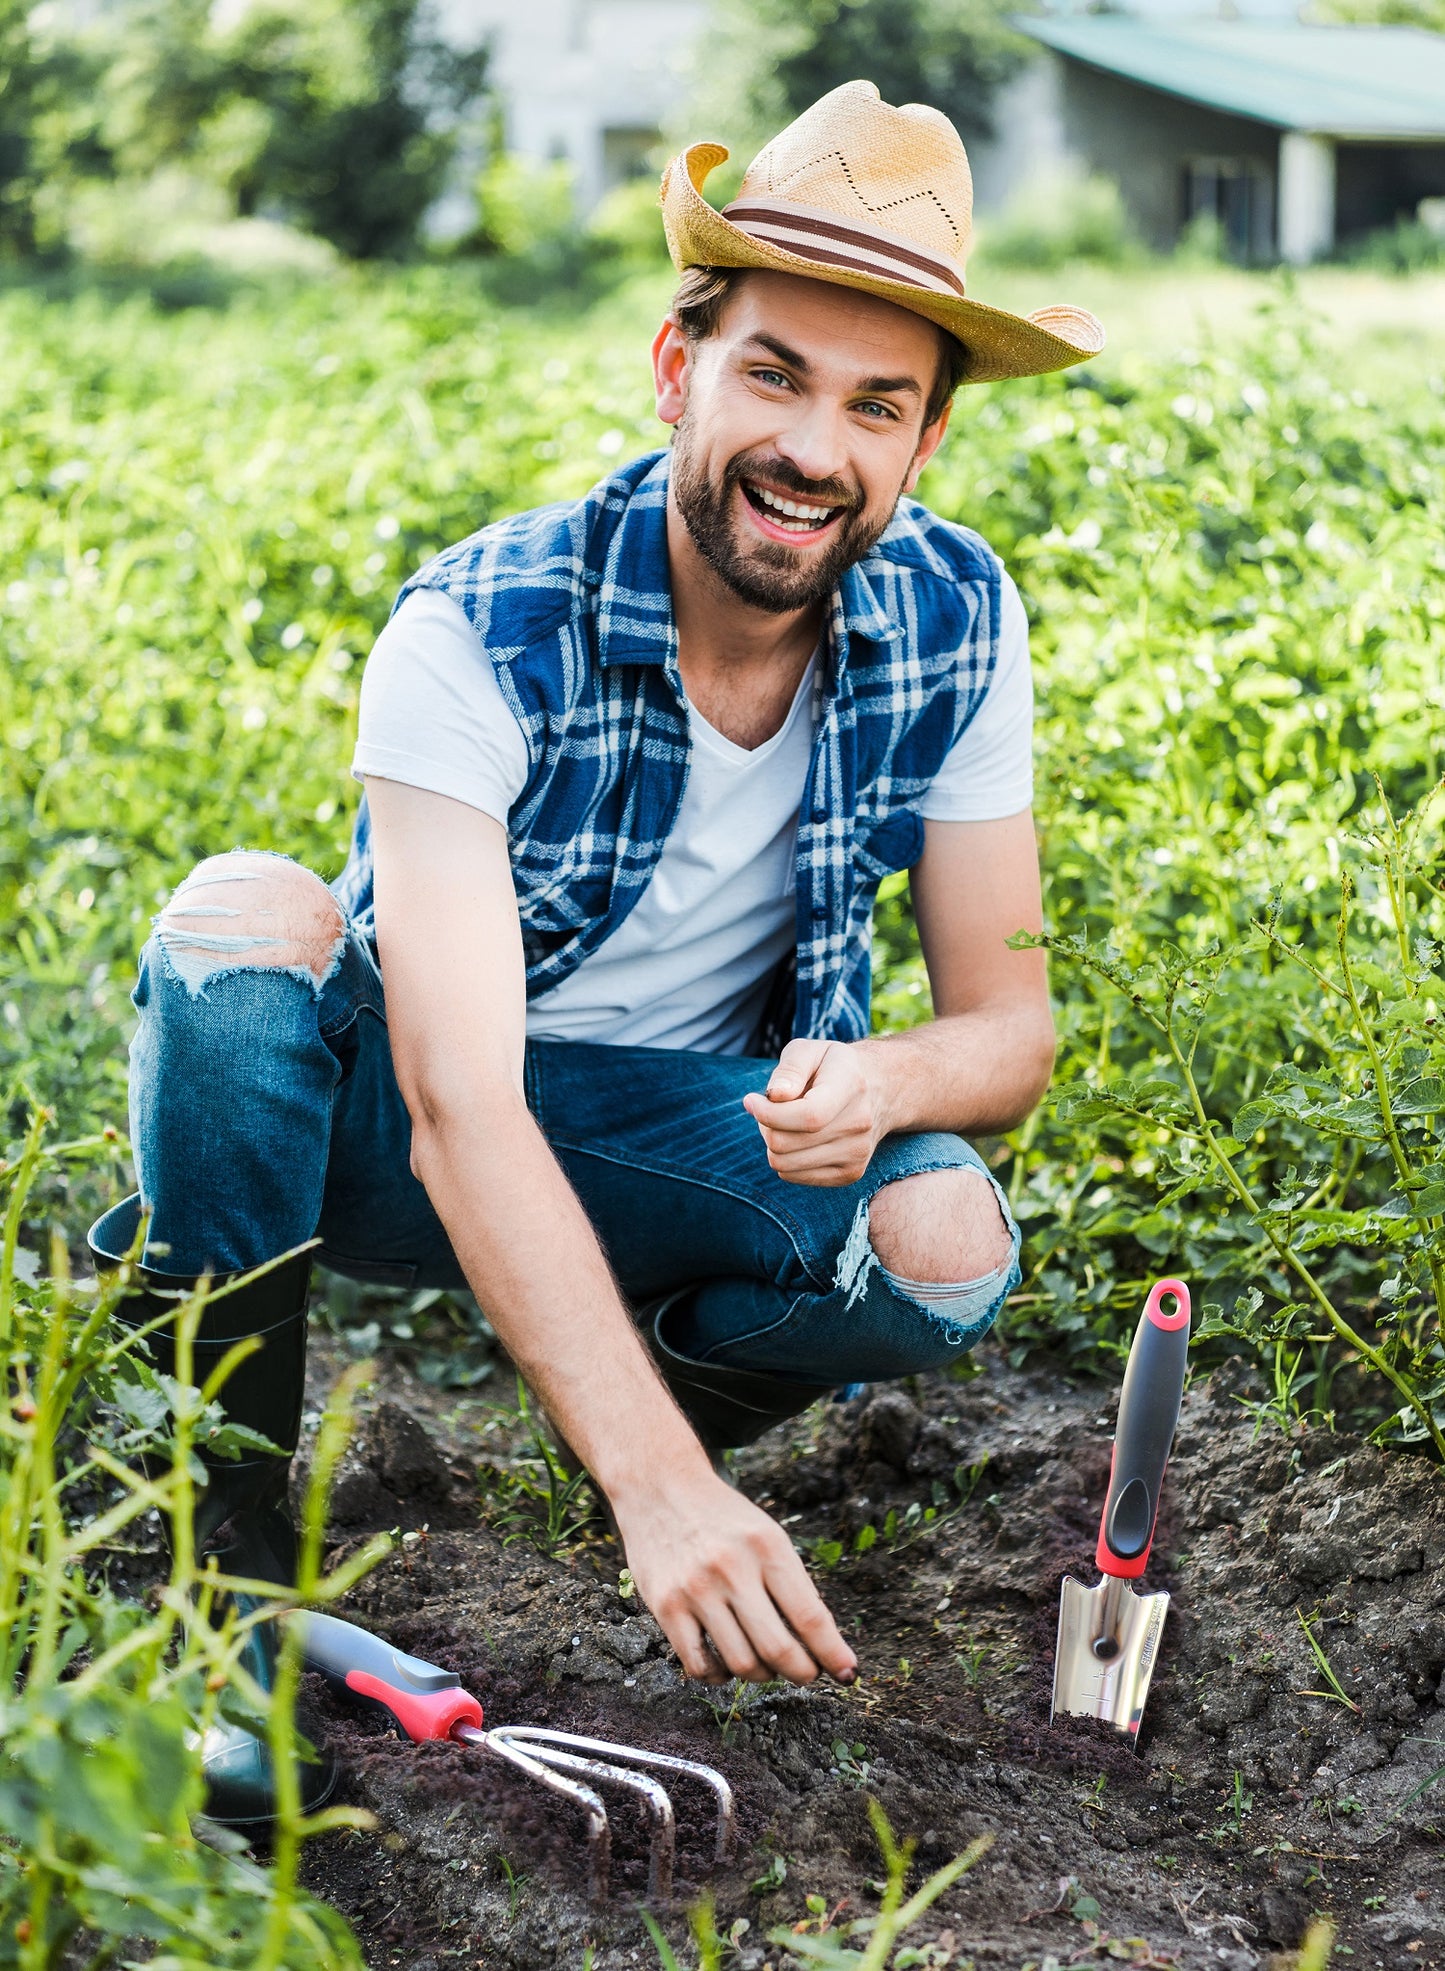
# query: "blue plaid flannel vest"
[[572, 606]]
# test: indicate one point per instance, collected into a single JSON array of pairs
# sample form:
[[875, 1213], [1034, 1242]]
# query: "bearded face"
[[801, 427], [797, 536]]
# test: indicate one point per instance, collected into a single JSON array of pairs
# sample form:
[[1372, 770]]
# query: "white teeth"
[[793, 509]]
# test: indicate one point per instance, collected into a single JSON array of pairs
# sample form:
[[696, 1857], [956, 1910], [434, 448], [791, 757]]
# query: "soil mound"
[[1267, 1787]]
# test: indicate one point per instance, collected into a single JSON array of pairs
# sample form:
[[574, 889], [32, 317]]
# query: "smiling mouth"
[[792, 516]]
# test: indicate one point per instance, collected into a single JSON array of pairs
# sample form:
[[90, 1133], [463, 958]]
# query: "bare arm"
[[707, 1562], [985, 1059]]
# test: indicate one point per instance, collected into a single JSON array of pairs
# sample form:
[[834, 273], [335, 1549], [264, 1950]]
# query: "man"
[[634, 769]]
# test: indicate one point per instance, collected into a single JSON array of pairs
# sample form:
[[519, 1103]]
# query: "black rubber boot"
[[243, 1516], [727, 1407]]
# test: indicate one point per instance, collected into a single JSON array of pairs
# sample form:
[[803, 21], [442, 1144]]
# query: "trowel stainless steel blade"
[[1109, 1636]]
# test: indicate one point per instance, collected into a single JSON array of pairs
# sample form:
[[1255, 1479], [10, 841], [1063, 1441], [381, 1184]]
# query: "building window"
[[628, 153], [1234, 192]]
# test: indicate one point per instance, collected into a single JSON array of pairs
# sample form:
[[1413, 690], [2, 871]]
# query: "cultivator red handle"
[[426, 1701], [1148, 1414], [423, 1699]]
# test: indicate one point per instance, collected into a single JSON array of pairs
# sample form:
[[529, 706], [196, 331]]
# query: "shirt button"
[[820, 911], [820, 814]]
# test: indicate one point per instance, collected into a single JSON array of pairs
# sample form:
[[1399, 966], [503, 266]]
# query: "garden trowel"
[[1108, 1635]]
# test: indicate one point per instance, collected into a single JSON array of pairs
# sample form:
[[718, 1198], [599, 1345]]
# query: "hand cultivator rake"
[[424, 1702]]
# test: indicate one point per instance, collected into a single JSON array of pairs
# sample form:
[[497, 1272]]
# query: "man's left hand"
[[823, 1114]]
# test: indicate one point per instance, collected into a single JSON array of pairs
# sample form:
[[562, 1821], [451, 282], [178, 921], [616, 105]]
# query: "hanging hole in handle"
[[1168, 1305]]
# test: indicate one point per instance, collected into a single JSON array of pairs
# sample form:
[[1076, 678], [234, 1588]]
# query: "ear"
[[671, 362], [928, 444]]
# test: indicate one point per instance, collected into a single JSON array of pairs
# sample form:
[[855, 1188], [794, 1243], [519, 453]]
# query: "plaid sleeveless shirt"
[[572, 607]]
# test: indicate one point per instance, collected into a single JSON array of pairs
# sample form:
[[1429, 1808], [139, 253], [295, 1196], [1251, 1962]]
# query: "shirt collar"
[[635, 622]]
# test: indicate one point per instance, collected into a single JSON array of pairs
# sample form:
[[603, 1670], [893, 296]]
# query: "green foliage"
[[339, 116], [535, 1494], [203, 525], [103, 1698], [1410, 246], [1233, 570], [767, 60], [902, 1529], [1060, 218], [830, 1949]]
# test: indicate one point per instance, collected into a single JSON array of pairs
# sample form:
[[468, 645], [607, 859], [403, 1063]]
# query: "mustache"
[[777, 473]]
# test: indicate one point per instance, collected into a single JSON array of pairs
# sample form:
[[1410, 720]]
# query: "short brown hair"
[[702, 294]]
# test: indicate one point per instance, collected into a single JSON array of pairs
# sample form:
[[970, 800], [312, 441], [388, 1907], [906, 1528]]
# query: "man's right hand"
[[726, 1585]]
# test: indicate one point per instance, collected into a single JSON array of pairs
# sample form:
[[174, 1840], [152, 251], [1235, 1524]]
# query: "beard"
[[767, 574]]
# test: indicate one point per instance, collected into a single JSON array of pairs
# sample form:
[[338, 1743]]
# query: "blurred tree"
[[17, 114], [339, 116], [1382, 13], [767, 60], [41, 70]]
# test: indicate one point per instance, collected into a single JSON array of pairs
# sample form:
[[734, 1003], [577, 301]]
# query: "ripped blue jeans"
[[265, 1111]]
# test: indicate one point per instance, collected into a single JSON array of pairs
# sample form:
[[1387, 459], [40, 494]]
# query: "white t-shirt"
[[691, 964]]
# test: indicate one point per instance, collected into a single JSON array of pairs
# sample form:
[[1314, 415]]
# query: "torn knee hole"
[[246, 911], [940, 1227]]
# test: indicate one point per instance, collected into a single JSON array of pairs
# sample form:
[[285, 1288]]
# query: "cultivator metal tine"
[[608, 1772], [599, 1831], [660, 1761]]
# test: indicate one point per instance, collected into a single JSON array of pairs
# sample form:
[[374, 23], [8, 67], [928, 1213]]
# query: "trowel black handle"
[[1148, 1414], [424, 1700]]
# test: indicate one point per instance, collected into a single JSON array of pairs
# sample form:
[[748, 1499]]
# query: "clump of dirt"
[[1259, 1795]]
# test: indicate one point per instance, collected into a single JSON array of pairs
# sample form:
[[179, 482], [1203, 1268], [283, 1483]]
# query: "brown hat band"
[[820, 236]]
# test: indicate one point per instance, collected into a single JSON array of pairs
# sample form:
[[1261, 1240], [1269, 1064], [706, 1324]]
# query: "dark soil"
[[1253, 1802]]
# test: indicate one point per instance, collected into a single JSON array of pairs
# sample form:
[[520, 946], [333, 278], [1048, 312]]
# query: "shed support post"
[[1306, 196]]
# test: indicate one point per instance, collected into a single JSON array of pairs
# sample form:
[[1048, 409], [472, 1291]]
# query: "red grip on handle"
[[421, 1714], [1154, 1313]]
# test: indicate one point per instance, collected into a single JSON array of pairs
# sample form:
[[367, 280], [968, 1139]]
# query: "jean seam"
[[660, 1168]]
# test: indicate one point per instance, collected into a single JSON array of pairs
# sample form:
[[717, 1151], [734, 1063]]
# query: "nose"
[[814, 442]]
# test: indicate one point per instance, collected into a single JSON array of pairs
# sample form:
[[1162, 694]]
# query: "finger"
[[797, 1064], [698, 1661], [811, 1112], [821, 1161], [773, 1641], [806, 1614], [730, 1642]]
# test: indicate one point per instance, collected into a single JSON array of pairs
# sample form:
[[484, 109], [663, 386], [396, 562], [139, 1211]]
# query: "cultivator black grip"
[[1148, 1415]]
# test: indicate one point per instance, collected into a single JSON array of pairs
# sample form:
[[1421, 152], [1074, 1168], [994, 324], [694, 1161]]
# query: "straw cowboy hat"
[[869, 196]]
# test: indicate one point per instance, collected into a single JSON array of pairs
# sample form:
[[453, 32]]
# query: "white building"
[[597, 82]]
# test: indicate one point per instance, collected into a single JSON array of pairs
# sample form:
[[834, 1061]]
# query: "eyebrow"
[[871, 386]]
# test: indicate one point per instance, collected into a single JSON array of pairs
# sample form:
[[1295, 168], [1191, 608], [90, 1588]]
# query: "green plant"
[[903, 1529], [1410, 246], [103, 1698], [772, 1877], [1318, 1946], [1336, 1694], [1238, 1806], [829, 1950], [851, 1762], [971, 1659], [1359, 1084], [537, 1497], [734, 1700], [700, 1921]]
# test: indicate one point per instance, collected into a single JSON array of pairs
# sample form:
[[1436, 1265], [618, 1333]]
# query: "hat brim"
[[997, 344]]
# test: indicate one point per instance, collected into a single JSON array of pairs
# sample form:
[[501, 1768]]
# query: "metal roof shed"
[[1311, 91]]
